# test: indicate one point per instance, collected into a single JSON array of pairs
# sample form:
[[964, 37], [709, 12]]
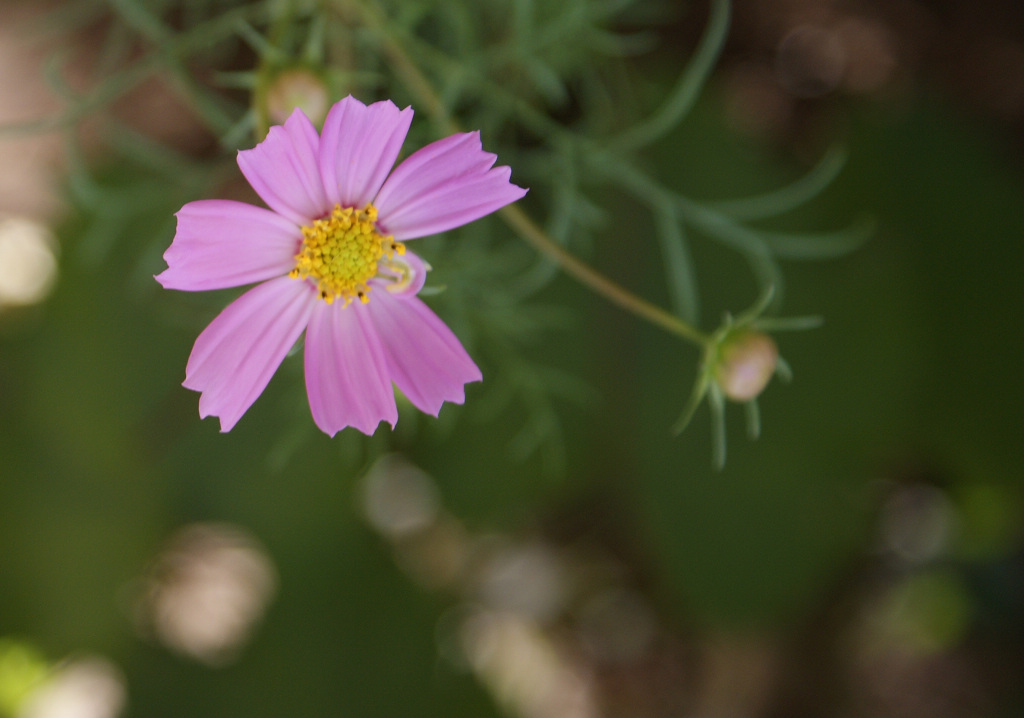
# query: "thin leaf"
[[749, 243], [783, 369], [758, 307], [267, 51], [679, 270], [717, 403], [818, 245], [700, 389], [687, 87], [789, 324], [753, 413], [788, 198]]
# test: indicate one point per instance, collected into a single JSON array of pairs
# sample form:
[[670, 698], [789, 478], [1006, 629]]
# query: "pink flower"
[[329, 259]]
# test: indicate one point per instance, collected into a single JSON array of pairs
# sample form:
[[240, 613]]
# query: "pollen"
[[342, 252]]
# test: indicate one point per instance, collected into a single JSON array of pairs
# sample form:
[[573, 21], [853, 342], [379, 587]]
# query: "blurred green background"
[[864, 557]]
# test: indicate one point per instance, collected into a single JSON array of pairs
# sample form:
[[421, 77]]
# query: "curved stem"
[[584, 273], [514, 217]]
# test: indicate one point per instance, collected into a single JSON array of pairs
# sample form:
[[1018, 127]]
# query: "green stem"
[[514, 217], [584, 273]]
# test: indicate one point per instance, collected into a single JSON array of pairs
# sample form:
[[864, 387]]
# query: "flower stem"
[[417, 83], [584, 273]]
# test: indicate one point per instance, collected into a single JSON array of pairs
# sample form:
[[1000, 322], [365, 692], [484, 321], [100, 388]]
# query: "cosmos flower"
[[330, 260]]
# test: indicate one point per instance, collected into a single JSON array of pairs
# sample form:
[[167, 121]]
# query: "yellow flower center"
[[342, 252]]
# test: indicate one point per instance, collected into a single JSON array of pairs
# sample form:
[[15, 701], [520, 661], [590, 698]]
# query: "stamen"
[[342, 252]]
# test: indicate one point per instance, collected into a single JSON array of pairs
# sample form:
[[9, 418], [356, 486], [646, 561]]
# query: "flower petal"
[[359, 147], [221, 243], [234, 358], [424, 357], [446, 184], [284, 171], [346, 378]]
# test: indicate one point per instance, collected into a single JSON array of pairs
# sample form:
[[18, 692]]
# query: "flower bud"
[[745, 362], [297, 87]]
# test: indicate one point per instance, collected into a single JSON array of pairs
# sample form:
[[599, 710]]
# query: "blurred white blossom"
[[89, 687], [28, 262], [207, 590]]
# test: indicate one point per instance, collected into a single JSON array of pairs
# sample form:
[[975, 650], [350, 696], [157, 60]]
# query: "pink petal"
[[359, 147], [220, 243], [424, 357], [346, 377], [446, 184], [284, 171], [234, 358]]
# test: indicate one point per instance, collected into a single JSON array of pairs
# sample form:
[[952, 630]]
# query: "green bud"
[[744, 364], [297, 87]]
